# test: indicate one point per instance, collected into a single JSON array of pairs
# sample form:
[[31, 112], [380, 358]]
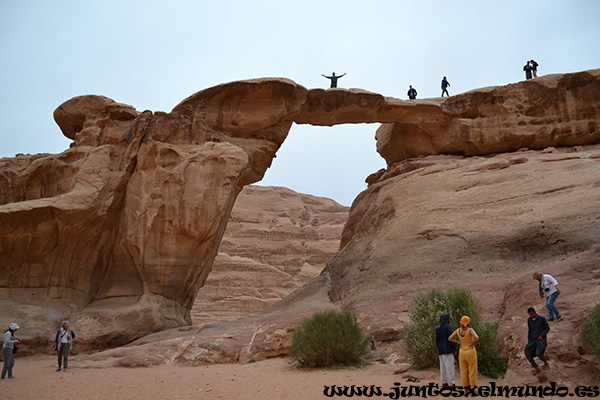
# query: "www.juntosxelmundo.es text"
[[398, 391]]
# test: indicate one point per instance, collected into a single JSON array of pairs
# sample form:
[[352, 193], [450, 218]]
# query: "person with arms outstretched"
[[333, 79]]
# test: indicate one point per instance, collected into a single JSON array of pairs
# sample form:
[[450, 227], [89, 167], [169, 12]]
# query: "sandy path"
[[270, 379]]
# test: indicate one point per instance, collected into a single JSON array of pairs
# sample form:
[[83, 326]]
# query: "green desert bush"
[[329, 339], [419, 333], [590, 337]]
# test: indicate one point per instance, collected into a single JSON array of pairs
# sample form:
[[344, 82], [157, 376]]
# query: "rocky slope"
[[276, 241], [484, 224]]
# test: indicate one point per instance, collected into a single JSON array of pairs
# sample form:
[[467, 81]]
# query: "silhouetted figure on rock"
[[528, 70], [334, 79], [534, 67], [412, 92], [445, 85]]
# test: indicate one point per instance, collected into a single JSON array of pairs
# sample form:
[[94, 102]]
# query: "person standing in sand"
[[467, 356], [63, 343], [446, 350], [8, 350]]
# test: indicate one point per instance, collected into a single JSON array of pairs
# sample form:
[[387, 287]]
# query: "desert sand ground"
[[36, 379]]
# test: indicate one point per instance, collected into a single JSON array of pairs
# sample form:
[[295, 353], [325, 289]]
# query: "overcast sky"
[[153, 54]]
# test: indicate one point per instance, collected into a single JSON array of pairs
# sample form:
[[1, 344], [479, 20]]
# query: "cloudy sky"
[[153, 54]]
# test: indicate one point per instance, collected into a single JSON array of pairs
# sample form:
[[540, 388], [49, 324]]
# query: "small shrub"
[[329, 339], [590, 337], [424, 318]]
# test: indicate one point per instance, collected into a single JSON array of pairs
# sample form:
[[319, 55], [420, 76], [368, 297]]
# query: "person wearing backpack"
[[63, 343], [8, 349]]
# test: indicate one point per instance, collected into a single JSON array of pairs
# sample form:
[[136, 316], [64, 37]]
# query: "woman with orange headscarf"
[[467, 357]]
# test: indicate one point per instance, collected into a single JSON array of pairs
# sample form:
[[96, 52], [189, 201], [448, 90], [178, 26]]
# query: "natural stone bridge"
[[119, 232]]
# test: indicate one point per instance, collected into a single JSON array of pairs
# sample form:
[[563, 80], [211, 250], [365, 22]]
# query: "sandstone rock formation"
[[483, 224], [480, 223], [252, 338], [120, 231], [276, 241]]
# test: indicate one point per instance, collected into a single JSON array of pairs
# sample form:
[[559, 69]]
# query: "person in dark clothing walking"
[[412, 93], [333, 79], [446, 350], [536, 340], [445, 85], [528, 69], [534, 66]]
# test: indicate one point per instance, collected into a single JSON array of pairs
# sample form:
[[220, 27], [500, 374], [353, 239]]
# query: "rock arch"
[[120, 231]]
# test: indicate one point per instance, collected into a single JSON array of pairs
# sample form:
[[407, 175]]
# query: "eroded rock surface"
[[485, 224], [480, 223], [276, 241], [553, 110], [120, 231]]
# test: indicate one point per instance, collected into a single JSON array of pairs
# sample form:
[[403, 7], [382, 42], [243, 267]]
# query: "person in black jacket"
[[412, 92], [446, 350], [333, 78], [528, 69], [445, 85], [536, 340]]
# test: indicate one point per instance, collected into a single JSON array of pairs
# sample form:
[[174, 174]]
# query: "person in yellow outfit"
[[467, 357]]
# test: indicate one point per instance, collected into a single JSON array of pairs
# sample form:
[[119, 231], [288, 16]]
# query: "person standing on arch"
[[333, 79], [412, 92], [445, 85], [528, 70], [534, 67]]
